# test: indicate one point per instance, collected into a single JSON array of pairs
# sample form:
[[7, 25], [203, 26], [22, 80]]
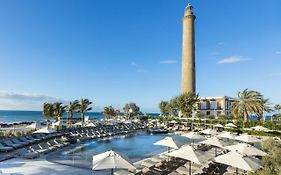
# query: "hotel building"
[[215, 106]]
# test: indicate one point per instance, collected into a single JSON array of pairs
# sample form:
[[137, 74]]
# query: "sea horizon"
[[16, 116]]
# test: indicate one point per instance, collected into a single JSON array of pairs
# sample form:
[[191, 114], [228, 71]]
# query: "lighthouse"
[[188, 83]]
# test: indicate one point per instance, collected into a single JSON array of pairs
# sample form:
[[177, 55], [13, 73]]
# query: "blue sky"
[[114, 52]]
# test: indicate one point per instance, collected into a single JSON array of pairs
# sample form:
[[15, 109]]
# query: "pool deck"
[[41, 166], [19, 166]]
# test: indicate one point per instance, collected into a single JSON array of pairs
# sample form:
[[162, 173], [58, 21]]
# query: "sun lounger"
[[144, 170], [54, 144], [193, 165], [5, 148], [123, 172], [46, 146], [233, 170], [149, 163], [198, 172], [61, 142], [24, 153], [11, 144], [174, 173], [158, 158], [32, 138], [36, 148], [183, 170], [16, 141], [24, 139]]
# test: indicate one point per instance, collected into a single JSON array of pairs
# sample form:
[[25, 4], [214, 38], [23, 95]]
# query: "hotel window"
[[219, 105], [208, 105], [203, 104], [213, 104]]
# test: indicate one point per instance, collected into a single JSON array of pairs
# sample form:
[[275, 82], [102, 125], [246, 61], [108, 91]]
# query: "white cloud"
[[141, 71], [134, 64], [24, 101], [168, 62], [232, 59], [278, 52]]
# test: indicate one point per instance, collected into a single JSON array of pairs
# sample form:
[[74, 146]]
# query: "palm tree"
[[249, 102], [58, 110], [72, 108], [108, 112], [187, 103], [164, 108], [131, 110], [84, 107], [48, 111], [126, 109], [173, 106], [116, 113], [277, 108]]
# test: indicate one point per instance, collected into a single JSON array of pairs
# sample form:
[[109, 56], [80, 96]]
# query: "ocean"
[[7, 116]]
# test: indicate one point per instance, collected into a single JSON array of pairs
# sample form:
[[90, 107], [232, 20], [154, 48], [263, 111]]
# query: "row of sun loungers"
[[162, 165], [36, 150], [12, 144], [35, 145], [103, 131]]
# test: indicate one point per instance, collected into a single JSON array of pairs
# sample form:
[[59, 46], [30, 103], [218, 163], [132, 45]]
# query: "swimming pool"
[[134, 147]]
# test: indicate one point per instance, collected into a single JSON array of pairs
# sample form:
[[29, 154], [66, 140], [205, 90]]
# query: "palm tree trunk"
[[70, 117], [245, 115], [83, 118]]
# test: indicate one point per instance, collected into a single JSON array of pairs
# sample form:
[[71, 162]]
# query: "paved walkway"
[[40, 166]]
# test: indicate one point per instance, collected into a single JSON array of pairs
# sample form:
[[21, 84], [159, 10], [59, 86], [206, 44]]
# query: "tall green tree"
[[277, 108], [108, 112], [187, 103], [164, 108], [58, 109], [131, 110], [72, 108], [173, 106], [116, 113], [84, 107], [249, 102], [48, 111]]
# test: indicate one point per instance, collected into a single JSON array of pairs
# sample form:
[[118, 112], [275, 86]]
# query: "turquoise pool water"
[[133, 147]]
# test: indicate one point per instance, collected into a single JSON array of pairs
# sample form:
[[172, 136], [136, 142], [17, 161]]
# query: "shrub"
[[221, 117], [210, 117], [200, 115], [272, 161]]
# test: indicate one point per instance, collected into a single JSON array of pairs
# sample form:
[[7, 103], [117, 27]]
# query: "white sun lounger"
[[149, 163], [174, 173], [158, 159], [123, 172]]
